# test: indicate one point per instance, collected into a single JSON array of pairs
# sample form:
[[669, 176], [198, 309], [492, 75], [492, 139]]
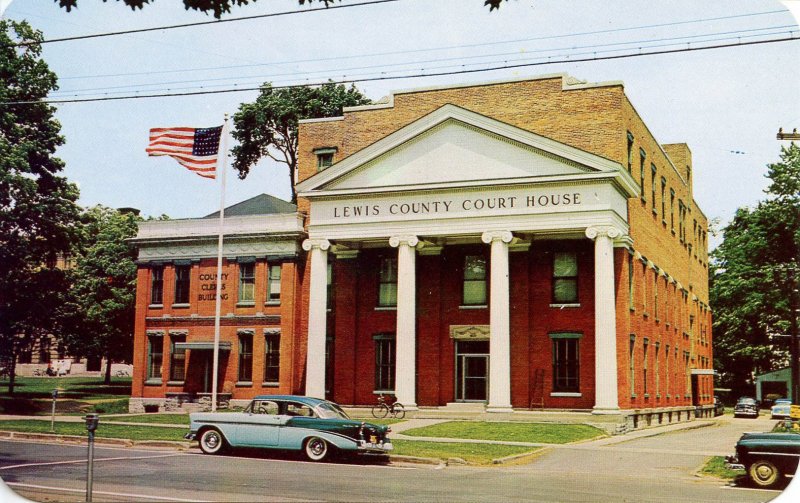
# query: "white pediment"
[[453, 146], [455, 152]]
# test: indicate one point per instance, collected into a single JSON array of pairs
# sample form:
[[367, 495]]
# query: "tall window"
[[272, 357], [644, 287], [642, 160], [566, 363], [245, 357], [247, 282], [182, 284], [474, 290], [644, 366], [384, 362], [157, 285], [655, 294], [630, 152], [387, 282], [630, 282], [632, 365], [656, 365], [666, 367], [155, 356], [663, 200], [274, 284], [177, 359], [565, 277], [672, 210], [653, 186]]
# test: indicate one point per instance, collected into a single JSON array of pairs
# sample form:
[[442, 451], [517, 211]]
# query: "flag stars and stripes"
[[194, 148]]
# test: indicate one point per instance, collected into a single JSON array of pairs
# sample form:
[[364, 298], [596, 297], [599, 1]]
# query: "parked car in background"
[[781, 409], [311, 425], [768, 457], [745, 406], [719, 409]]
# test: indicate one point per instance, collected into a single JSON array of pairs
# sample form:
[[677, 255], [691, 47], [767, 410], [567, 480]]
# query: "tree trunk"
[[12, 373], [108, 370]]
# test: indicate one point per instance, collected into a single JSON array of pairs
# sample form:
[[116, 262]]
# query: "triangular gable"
[[453, 145]]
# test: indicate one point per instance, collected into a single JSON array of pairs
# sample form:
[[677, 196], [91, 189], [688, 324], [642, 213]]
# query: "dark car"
[[719, 409], [299, 423], [767, 457], [746, 406]]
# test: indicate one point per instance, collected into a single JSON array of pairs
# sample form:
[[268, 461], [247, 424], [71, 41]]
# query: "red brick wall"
[[594, 119], [233, 317]]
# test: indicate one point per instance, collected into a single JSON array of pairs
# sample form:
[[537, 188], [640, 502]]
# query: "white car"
[[782, 408]]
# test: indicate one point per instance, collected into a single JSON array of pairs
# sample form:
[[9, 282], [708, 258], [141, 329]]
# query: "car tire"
[[316, 449], [211, 441], [764, 473]]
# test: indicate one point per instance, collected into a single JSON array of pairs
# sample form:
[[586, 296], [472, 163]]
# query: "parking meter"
[[91, 426], [53, 417], [91, 422]]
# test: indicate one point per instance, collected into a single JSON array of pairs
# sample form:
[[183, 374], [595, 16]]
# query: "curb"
[[414, 459], [528, 456], [78, 439]]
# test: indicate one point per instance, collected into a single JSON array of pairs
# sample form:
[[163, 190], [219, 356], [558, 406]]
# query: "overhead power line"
[[595, 49], [444, 48], [412, 76], [200, 23]]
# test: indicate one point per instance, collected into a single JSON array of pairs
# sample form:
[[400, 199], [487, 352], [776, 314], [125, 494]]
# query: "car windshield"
[[746, 401], [783, 401], [331, 411]]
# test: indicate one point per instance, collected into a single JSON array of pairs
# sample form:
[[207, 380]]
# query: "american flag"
[[195, 148]]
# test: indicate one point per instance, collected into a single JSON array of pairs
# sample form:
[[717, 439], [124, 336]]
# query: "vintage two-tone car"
[[767, 457], [311, 425]]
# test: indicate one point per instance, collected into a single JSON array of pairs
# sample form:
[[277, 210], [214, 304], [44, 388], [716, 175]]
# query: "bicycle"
[[383, 409]]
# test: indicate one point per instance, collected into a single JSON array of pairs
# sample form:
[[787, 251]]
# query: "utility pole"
[[794, 349]]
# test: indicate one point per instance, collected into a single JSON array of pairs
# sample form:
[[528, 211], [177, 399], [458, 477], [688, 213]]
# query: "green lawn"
[[471, 453], [715, 467], [103, 430], [78, 388], [548, 433], [153, 419]]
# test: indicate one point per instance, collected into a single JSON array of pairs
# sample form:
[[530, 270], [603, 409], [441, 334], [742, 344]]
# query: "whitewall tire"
[[316, 449], [211, 441]]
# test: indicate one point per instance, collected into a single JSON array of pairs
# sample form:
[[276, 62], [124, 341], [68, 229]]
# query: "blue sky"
[[717, 101]]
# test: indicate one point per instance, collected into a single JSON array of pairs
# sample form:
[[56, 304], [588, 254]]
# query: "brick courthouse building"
[[518, 244]]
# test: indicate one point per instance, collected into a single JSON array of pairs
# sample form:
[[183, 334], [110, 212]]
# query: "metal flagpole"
[[215, 367]]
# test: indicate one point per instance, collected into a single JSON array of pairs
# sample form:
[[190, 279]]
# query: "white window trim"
[[566, 394]]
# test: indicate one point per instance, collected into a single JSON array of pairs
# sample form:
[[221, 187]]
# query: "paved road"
[[657, 468]]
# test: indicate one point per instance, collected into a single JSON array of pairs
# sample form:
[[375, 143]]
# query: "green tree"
[[97, 318], [220, 7], [38, 213], [268, 126], [753, 280]]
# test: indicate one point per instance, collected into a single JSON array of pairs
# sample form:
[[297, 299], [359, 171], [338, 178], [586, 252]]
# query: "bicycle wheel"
[[380, 411], [399, 411]]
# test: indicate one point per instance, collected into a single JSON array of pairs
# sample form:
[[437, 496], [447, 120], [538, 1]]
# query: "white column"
[[499, 325], [317, 316], [605, 320], [405, 383]]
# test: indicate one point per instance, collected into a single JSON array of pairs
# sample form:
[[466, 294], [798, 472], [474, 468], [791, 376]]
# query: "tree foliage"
[[38, 211], [268, 126], [97, 317], [752, 280], [220, 7]]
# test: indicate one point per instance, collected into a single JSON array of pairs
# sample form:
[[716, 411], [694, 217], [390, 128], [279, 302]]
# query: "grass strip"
[[715, 467], [103, 430], [546, 433], [481, 454], [153, 419]]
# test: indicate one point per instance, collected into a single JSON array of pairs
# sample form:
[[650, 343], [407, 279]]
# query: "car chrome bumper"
[[732, 463], [190, 436], [370, 447]]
